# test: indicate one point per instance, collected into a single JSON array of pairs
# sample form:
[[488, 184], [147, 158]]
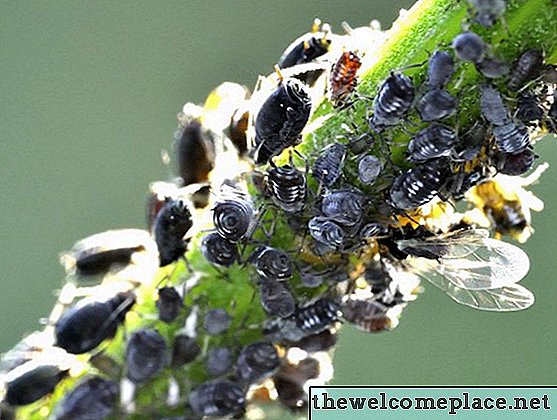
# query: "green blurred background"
[[88, 98]]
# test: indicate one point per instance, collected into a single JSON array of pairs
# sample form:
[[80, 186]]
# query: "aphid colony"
[[362, 228]]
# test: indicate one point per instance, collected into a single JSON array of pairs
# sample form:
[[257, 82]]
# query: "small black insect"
[[92, 399], [146, 355], [328, 166], [369, 168], [220, 398], [345, 206], [527, 67], [460, 182], [219, 251], [372, 230], [312, 277], [529, 108], [84, 326], [171, 225], [440, 70], [377, 276], [493, 68], [516, 164], [256, 362], [343, 78], [367, 315], [436, 104], [470, 142], [290, 380], [393, 100], [184, 350], [488, 11], [433, 141], [469, 46], [219, 360], [287, 187], [317, 317], [317, 342], [276, 299], [272, 263], [216, 321], [281, 119], [512, 137], [195, 152], [418, 185], [169, 304], [326, 232], [234, 218], [493, 108], [31, 382]]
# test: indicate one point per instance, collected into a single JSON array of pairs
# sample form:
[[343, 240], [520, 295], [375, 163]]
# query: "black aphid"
[[471, 142], [377, 276], [234, 218], [369, 168], [529, 108], [317, 342], [512, 137], [33, 383], [216, 321], [433, 141], [367, 315], [146, 355], [527, 67], [281, 119], [436, 104], [195, 152], [276, 299], [418, 185], [272, 263], [345, 206], [256, 362], [87, 324], [219, 360], [92, 399], [184, 350], [326, 232], [488, 11], [288, 188], [393, 100], [169, 303], [328, 166], [372, 230], [220, 397], [305, 49], [516, 164], [493, 108], [440, 70], [343, 78], [493, 68], [317, 317], [171, 225], [312, 277], [219, 251], [469, 46]]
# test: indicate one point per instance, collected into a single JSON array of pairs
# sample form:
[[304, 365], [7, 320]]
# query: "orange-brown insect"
[[343, 77]]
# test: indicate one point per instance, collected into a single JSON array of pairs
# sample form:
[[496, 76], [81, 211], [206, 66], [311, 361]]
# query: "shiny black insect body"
[[171, 225], [169, 304], [256, 362], [436, 104], [470, 143], [493, 68], [33, 383], [317, 317], [344, 206], [234, 219], [326, 232], [276, 299], [216, 321], [219, 360], [418, 185], [434, 141], [488, 11], [493, 108], [281, 119], [527, 67], [272, 263], [184, 350], [220, 398], [146, 355], [195, 152], [440, 70], [328, 166], [305, 49], [529, 109], [343, 79], [369, 168], [393, 100], [512, 137], [469, 46], [92, 399], [288, 188], [516, 164], [219, 251], [84, 326]]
